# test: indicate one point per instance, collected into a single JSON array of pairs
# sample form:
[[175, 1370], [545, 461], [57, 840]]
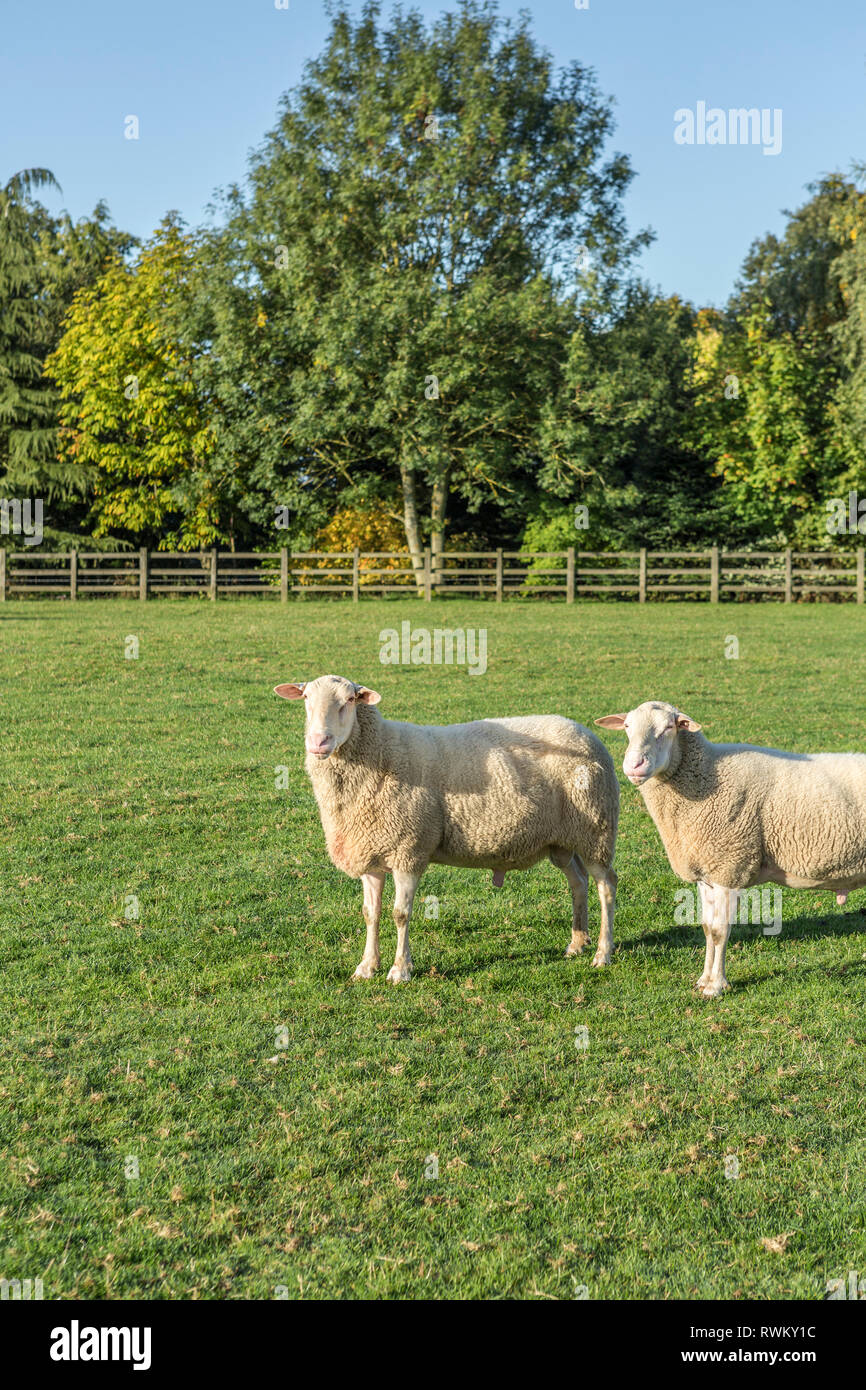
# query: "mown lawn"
[[264, 1169]]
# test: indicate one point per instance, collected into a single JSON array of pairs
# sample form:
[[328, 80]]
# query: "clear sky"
[[204, 78]]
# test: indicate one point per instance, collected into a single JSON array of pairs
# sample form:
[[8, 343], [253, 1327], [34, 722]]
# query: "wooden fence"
[[639, 574]]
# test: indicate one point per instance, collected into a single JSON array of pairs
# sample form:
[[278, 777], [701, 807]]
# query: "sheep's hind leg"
[[706, 894], [605, 882], [404, 893], [369, 963], [577, 880]]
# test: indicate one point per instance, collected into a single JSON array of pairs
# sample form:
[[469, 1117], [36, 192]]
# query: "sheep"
[[733, 815], [496, 794]]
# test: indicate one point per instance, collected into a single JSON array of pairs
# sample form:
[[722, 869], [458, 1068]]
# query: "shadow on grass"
[[766, 976], [534, 951], [798, 929]]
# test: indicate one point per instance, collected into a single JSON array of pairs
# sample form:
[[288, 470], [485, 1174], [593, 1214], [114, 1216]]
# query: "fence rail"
[[636, 574]]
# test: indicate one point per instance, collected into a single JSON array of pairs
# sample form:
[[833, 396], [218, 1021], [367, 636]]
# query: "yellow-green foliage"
[[130, 409], [373, 528]]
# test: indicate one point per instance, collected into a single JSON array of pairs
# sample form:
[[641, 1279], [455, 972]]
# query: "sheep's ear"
[[367, 697], [612, 721], [683, 722], [293, 690]]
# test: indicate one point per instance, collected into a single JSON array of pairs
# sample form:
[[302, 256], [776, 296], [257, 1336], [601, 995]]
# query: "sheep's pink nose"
[[320, 743], [634, 765]]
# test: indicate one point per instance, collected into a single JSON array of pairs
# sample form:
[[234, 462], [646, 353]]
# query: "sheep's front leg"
[[605, 882], [404, 893], [707, 899], [724, 913], [369, 963]]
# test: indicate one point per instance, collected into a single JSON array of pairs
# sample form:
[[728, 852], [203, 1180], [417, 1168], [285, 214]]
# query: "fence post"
[[428, 576], [142, 573], [3, 574], [356, 574], [569, 576], [714, 574], [641, 583], [789, 578], [213, 574], [499, 575], [861, 573], [73, 574], [284, 574]]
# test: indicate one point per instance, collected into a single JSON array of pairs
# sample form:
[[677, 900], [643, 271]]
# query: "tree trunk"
[[438, 510], [410, 524]]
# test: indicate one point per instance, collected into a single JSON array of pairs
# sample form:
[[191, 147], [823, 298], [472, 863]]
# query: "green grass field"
[[153, 1045]]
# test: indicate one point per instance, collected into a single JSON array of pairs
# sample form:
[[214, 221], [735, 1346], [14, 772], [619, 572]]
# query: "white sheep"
[[496, 794], [732, 815]]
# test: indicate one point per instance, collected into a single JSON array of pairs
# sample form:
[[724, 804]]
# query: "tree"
[[849, 272], [409, 223], [27, 402], [131, 413], [778, 438], [764, 416], [791, 279], [615, 437], [44, 261], [241, 367]]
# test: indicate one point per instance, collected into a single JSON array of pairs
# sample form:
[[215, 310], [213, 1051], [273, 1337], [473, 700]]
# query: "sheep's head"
[[652, 730], [331, 703]]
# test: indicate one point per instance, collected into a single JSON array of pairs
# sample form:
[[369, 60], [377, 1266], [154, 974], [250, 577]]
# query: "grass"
[[294, 1162]]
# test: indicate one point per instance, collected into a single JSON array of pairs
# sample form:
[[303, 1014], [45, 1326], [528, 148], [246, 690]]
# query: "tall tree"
[[849, 271], [771, 376], [616, 436], [27, 402], [764, 416], [791, 278], [131, 413], [44, 261], [241, 363], [409, 220]]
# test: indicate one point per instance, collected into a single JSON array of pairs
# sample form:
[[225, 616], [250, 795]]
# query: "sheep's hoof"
[[600, 959], [366, 970], [702, 981], [577, 944], [713, 991], [400, 974]]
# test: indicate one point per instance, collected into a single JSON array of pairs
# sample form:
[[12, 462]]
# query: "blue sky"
[[204, 78]]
